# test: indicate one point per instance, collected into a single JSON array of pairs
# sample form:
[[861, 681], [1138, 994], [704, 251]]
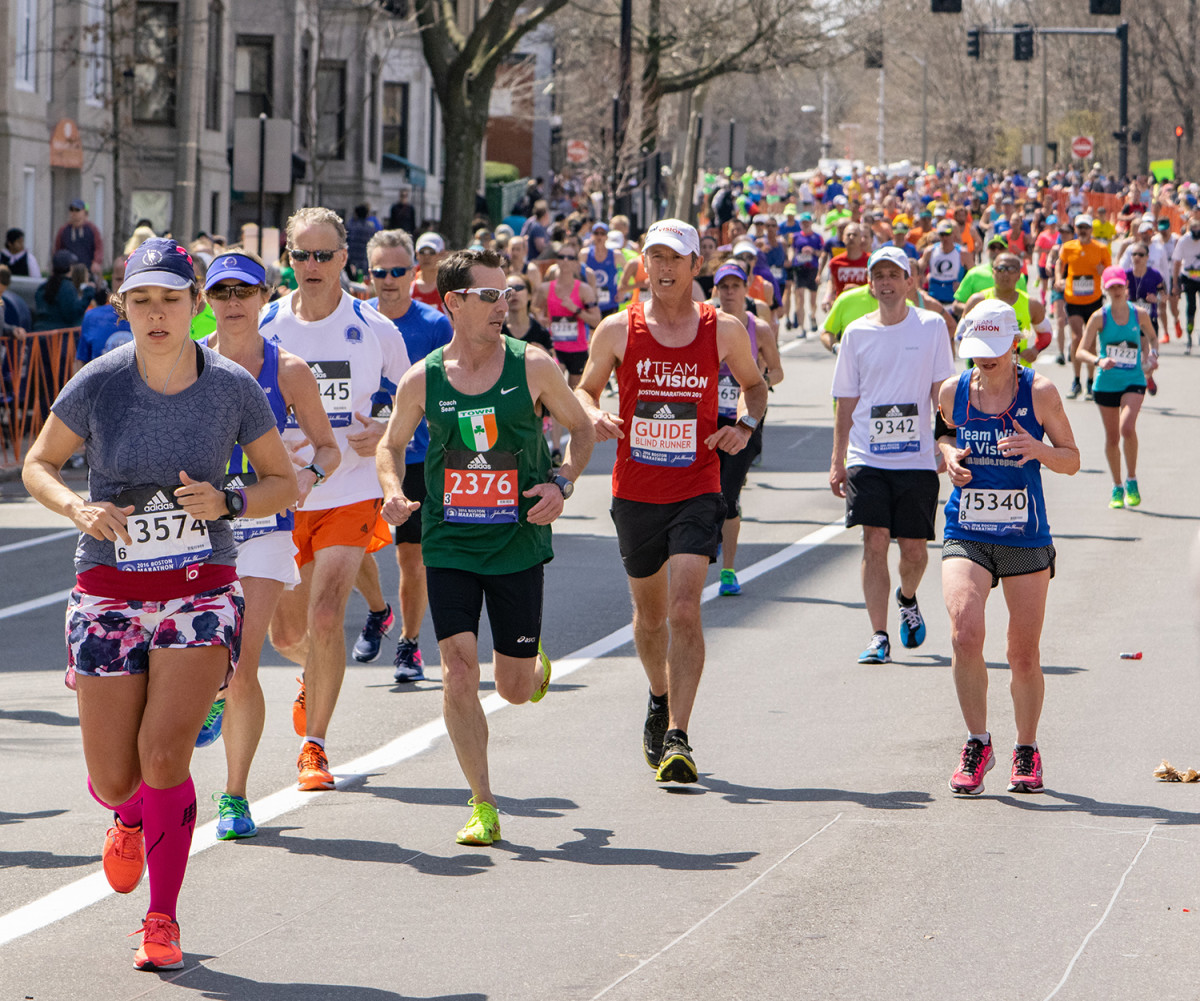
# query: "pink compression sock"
[[129, 812], [170, 819]]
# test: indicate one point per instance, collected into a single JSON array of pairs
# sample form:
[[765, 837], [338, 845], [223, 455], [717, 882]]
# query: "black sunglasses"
[[567, 257], [322, 256], [384, 272], [223, 292]]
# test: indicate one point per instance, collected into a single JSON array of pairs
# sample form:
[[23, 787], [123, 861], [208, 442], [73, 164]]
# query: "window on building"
[[155, 49], [373, 115], [331, 109], [26, 44], [254, 77], [395, 124], [214, 66], [305, 82], [95, 53]]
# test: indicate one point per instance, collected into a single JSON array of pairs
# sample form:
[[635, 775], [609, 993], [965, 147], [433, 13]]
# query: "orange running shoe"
[[314, 768], [299, 713], [124, 857], [160, 944]]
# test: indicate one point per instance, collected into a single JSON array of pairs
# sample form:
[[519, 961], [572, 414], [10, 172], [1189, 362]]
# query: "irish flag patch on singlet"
[[478, 428]]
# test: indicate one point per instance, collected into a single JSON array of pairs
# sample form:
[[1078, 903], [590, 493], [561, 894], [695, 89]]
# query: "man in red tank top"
[[667, 502]]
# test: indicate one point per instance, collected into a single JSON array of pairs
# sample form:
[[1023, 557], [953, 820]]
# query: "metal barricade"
[[33, 369]]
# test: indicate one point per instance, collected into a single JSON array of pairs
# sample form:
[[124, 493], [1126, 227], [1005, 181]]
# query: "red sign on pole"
[[1082, 147], [578, 152]]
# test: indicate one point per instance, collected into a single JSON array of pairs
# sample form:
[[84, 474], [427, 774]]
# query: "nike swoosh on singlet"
[[505, 392]]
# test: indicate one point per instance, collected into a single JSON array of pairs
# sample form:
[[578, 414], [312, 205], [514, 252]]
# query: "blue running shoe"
[[233, 818], [211, 729], [912, 625], [366, 647], [878, 651], [729, 584], [409, 666]]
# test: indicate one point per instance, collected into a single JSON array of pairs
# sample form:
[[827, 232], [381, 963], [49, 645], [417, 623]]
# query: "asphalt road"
[[821, 856]]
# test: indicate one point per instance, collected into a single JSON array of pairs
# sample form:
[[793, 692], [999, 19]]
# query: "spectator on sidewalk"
[[58, 301], [82, 238], [20, 261]]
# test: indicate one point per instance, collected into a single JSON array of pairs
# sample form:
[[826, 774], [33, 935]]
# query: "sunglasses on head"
[[384, 272], [321, 256], [488, 294], [223, 292], [514, 289], [567, 257]]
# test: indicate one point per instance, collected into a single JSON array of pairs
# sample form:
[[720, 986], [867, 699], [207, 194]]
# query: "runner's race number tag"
[[333, 386], [894, 428], [480, 488], [1000, 511], [563, 330], [1083, 285], [245, 529], [1123, 354], [663, 433], [728, 391], [164, 536]]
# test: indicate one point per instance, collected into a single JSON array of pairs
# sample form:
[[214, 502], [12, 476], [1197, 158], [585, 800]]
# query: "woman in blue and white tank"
[[994, 420]]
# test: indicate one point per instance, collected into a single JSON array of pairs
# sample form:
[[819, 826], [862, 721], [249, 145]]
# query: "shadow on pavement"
[[20, 818], [45, 860], [385, 852], [539, 807], [214, 984], [593, 849], [41, 716], [906, 799], [1096, 807]]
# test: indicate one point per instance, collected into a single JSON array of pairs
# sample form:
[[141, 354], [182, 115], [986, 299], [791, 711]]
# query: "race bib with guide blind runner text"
[[663, 433], [163, 535]]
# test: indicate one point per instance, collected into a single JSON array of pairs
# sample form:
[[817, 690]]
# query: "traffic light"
[[1178, 131], [1104, 8], [1022, 42], [947, 6], [972, 43]]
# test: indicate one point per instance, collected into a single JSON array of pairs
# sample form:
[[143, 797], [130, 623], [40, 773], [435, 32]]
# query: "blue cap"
[[1052, 220], [729, 270], [160, 262], [237, 266]]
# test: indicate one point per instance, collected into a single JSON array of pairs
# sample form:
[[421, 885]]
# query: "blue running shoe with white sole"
[[211, 730], [366, 647], [408, 663], [729, 584], [878, 651], [912, 624], [233, 818]]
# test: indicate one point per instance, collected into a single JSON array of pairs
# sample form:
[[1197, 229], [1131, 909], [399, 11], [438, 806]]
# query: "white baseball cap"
[[680, 236], [615, 239], [988, 331], [893, 255], [1083, 219], [744, 247], [432, 241]]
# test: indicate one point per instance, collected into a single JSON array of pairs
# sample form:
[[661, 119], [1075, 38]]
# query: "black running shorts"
[[514, 606], [414, 490], [1001, 561], [904, 501], [650, 534]]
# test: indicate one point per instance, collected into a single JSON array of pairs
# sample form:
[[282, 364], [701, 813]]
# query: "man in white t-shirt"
[[348, 346], [1185, 270], [885, 384]]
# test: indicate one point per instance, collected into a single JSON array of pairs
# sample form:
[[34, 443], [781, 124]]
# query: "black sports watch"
[[235, 500], [748, 422], [565, 486], [317, 471]]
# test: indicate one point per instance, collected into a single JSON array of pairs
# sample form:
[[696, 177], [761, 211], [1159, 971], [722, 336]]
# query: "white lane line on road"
[[716, 910], [35, 603], [13, 546], [1088, 937], [84, 892]]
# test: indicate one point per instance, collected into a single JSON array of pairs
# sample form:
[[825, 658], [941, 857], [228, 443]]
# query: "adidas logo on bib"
[[895, 412], [317, 371], [159, 502], [479, 462], [664, 414]]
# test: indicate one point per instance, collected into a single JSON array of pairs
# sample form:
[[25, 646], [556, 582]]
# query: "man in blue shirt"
[[391, 269]]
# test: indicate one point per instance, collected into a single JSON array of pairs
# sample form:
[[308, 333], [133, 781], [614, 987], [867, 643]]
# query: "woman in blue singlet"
[[1121, 341], [993, 421]]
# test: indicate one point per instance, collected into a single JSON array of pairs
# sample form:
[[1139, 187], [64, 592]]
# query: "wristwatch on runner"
[[235, 500], [747, 422], [317, 471], [565, 486]]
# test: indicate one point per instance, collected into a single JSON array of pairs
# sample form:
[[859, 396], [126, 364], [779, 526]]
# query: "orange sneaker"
[[314, 768], [299, 713], [124, 857], [160, 944]]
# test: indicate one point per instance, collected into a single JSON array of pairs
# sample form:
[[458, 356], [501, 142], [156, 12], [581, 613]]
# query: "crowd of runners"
[[241, 483]]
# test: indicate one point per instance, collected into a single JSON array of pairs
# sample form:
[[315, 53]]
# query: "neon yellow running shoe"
[[546, 667], [484, 826]]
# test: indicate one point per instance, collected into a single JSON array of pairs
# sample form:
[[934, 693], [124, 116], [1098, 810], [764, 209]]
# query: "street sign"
[[578, 152], [1082, 147]]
